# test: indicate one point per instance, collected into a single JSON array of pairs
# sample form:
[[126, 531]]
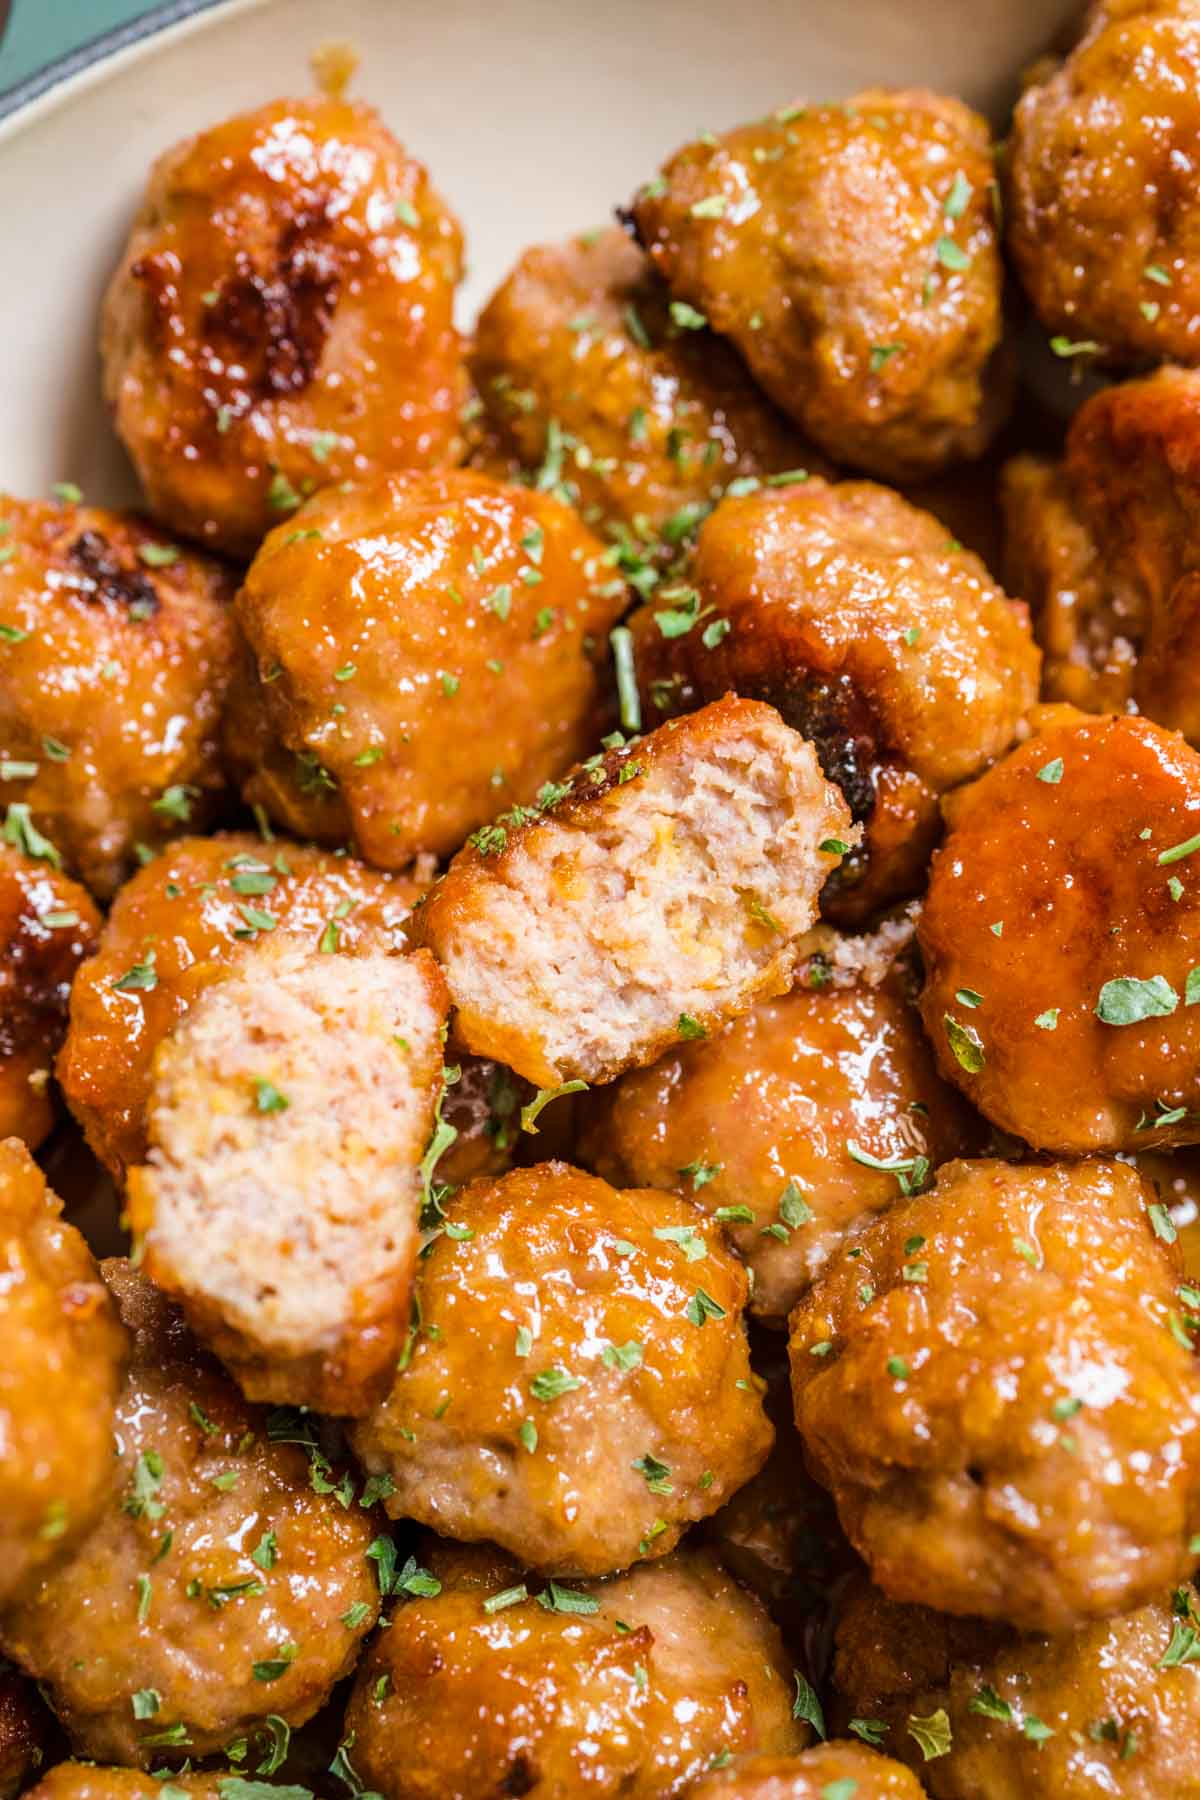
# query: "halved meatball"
[[650, 896], [850, 254], [281, 319], [998, 1385], [841, 1770], [116, 651], [1060, 937], [425, 648]]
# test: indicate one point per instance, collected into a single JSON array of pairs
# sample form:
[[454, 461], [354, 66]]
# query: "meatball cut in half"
[[174, 930], [577, 1388], [64, 1352], [1061, 934], [116, 651], [874, 634], [281, 319], [999, 1387], [849, 252], [652, 895], [424, 649], [287, 1120], [226, 1578], [841, 1770], [629, 1688]]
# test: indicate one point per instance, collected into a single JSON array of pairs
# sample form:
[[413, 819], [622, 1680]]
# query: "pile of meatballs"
[[607, 915]]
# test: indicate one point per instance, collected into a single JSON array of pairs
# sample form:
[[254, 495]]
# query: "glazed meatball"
[[1060, 933], [281, 319], [849, 253], [875, 635], [793, 1127], [174, 929], [116, 651], [216, 1588], [84, 1781], [999, 1387], [1101, 202], [577, 1388], [587, 379], [836, 1771], [652, 895], [288, 1118], [63, 1357], [424, 652], [631, 1687]]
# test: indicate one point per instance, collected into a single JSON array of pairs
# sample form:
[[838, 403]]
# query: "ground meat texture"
[[653, 895], [577, 1387], [999, 1388], [116, 651], [849, 253], [220, 1584], [425, 651], [1059, 932], [873, 633], [841, 1770], [288, 1118], [61, 1370], [1103, 218], [173, 930], [631, 1687], [281, 319]]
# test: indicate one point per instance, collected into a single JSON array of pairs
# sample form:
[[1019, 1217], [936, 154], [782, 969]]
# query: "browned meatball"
[[874, 634], [1101, 202], [25, 1732], [86, 1781], [59, 1376], [116, 650], [425, 652], [173, 930], [999, 1387], [281, 319], [628, 1688], [1060, 933], [577, 1387], [849, 252], [219, 1585], [836, 1771]]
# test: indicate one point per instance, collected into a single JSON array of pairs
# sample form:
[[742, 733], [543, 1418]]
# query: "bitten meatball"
[[577, 1388], [59, 1376], [1060, 936], [836, 1771], [25, 1732], [651, 895], [425, 649], [849, 252], [794, 1126], [874, 634], [116, 651], [288, 1118], [999, 1387], [627, 1688], [216, 1588], [174, 929], [1103, 217], [281, 319]]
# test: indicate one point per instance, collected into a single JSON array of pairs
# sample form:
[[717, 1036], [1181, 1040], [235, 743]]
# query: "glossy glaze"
[[844, 1769]]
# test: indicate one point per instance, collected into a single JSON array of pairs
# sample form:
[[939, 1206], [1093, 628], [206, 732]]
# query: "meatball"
[[63, 1357], [1101, 201], [84, 1781], [874, 634], [632, 1687], [577, 1387], [1060, 932], [281, 319], [25, 1733], [999, 1387], [651, 896], [173, 930], [424, 649], [116, 651], [288, 1118], [836, 1771], [849, 252], [794, 1126], [217, 1587], [587, 379]]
